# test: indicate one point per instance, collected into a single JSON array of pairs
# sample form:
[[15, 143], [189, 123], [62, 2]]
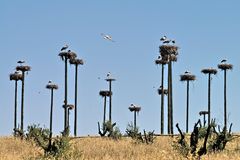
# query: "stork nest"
[[161, 61], [225, 66], [67, 55], [203, 112], [168, 50], [15, 76], [105, 93], [52, 86], [76, 61], [160, 91], [23, 68], [187, 77], [69, 106], [134, 109], [209, 71], [110, 79], [173, 58]]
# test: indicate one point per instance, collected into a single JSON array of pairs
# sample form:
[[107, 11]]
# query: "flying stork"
[[107, 37]]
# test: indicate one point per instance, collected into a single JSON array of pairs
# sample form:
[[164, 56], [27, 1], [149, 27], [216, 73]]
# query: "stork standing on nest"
[[64, 47]]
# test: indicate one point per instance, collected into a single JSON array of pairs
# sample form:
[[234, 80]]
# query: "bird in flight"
[[64, 47], [223, 61], [107, 37]]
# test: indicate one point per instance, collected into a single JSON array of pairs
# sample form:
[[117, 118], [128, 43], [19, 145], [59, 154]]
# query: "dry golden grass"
[[106, 149], [16, 149]]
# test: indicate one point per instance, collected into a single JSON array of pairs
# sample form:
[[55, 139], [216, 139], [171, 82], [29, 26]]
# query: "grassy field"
[[106, 149]]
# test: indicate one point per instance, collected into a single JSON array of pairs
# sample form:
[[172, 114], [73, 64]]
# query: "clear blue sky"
[[205, 31]]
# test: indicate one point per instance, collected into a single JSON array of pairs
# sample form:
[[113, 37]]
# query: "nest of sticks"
[[105, 93], [76, 61], [161, 91], [161, 61], [134, 109], [15, 76], [187, 77], [168, 50], [68, 55], [52, 86], [69, 106], [225, 66], [209, 71], [23, 68]]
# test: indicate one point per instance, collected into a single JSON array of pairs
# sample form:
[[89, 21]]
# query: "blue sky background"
[[205, 31]]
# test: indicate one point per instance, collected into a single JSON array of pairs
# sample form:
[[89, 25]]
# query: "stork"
[[223, 61], [21, 62], [167, 41], [108, 74], [173, 41], [50, 81], [64, 47], [163, 38], [187, 72], [107, 37]]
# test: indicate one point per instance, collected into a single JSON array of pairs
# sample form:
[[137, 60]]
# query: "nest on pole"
[[70, 106], [168, 50], [225, 66], [161, 91], [105, 93], [76, 61], [134, 109], [187, 77], [15, 76], [68, 55], [52, 86], [209, 71], [203, 112], [161, 61], [23, 68]]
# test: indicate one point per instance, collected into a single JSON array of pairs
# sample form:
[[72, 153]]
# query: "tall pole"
[[15, 109], [22, 103], [225, 99], [51, 114], [187, 111], [209, 99], [65, 99], [110, 100], [135, 120], [162, 102], [169, 97], [104, 110], [75, 116]]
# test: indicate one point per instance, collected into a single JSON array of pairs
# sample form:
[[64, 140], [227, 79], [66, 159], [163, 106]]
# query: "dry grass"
[[106, 149], [11, 148]]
